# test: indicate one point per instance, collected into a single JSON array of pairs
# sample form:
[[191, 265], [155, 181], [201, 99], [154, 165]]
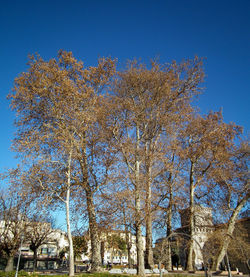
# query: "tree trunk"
[[10, 264], [71, 249], [112, 255], [169, 231], [191, 220], [129, 255], [138, 224], [229, 234], [93, 229], [35, 259], [149, 261], [96, 258], [139, 246], [127, 237], [247, 266], [149, 252], [120, 258]]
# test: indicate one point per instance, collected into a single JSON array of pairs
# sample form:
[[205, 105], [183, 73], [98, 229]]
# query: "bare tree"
[[239, 249], [39, 230], [233, 181], [207, 142], [117, 211], [12, 226], [149, 100], [56, 103]]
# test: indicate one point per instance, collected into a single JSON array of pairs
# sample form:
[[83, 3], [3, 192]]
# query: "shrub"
[[21, 273]]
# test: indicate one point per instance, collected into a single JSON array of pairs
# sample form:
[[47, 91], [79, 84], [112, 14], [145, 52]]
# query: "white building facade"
[[111, 254]]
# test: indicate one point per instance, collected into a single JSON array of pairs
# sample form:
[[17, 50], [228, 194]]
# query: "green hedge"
[[21, 273]]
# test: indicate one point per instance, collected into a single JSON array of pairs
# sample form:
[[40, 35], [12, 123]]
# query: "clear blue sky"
[[218, 30]]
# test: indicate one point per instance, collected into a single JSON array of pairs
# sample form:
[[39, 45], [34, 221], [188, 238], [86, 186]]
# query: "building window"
[[51, 265], [52, 251], [44, 251]]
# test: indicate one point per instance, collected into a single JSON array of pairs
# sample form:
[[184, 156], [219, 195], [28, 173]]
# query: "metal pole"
[[19, 256]]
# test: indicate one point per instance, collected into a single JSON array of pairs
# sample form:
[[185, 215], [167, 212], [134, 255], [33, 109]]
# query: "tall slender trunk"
[[71, 249], [139, 242], [96, 258], [128, 250], [228, 237], [10, 264], [121, 258], [191, 219], [138, 224], [93, 229], [149, 262], [127, 237], [112, 255], [169, 229]]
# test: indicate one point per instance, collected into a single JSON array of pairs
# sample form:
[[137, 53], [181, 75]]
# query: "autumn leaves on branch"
[[127, 143]]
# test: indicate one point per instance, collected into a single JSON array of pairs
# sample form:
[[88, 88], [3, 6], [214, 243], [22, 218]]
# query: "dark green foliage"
[[116, 242], [80, 245], [12, 274], [3, 263]]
